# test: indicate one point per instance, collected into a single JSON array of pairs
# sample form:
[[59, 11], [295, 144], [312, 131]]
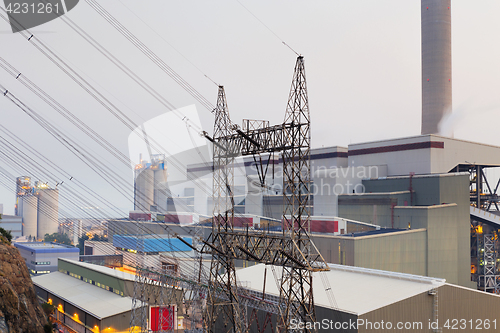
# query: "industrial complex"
[[262, 233]]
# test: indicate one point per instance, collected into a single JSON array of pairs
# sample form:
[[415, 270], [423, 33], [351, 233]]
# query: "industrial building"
[[94, 298], [88, 298], [38, 205], [11, 223], [41, 258], [353, 299], [73, 228], [405, 184], [425, 205], [158, 252]]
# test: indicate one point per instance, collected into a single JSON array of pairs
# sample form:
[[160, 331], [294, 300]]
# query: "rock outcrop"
[[20, 311]]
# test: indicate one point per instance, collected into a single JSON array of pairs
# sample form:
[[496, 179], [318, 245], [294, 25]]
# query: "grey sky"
[[362, 65]]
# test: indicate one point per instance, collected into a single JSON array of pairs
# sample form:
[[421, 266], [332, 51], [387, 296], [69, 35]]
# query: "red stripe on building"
[[388, 149]]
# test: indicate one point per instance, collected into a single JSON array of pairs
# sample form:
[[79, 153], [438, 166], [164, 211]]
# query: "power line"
[[281, 40], [169, 44], [150, 54]]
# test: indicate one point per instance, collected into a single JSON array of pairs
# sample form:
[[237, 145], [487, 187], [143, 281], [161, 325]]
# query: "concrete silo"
[[144, 190], [48, 206], [28, 209], [23, 187], [436, 63], [150, 189]]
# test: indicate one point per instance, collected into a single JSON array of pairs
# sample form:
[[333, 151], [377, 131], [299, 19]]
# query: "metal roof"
[[96, 301], [102, 269], [356, 290], [373, 232], [46, 247], [152, 244]]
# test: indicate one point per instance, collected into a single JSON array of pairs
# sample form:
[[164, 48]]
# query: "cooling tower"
[[48, 206], [27, 208], [436, 63]]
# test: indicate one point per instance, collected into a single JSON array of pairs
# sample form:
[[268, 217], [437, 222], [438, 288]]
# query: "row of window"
[[92, 282], [40, 262], [39, 272]]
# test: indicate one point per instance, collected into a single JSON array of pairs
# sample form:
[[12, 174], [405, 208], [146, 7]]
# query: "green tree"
[[58, 238], [48, 309], [47, 328], [7, 234]]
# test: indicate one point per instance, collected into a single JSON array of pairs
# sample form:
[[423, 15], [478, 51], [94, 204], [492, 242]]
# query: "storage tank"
[[28, 208], [144, 190], [48, 206], [436, 63], [23, 187], [160, 189]]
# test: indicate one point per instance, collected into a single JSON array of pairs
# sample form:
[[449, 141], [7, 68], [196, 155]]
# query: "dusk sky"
[[363, 67]]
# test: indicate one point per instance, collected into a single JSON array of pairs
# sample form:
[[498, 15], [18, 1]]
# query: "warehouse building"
[[41, 257], [88, 298], [353, 299]]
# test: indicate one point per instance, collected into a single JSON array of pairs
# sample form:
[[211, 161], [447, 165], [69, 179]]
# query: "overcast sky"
[[363, 67]]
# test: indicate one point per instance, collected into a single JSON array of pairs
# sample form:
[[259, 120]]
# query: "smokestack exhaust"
[[436, 63]]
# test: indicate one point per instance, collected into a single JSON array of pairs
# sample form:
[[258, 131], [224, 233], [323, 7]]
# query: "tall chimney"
[[436, 63]]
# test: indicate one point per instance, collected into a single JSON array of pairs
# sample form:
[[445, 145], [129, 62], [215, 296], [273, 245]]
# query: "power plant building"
[[416, 190]]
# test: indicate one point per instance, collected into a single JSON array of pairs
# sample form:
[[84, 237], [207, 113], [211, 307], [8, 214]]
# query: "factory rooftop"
[[101, 269], [355, 290], [88, 298], [41, 247]]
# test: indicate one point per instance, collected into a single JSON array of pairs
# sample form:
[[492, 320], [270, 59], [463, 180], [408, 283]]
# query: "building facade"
[[41, 258]]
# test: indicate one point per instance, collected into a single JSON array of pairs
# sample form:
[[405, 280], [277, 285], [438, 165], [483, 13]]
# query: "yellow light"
[[50, 301]]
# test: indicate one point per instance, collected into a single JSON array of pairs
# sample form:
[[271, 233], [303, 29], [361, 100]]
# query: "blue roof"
[[46, 247], [160, 244]]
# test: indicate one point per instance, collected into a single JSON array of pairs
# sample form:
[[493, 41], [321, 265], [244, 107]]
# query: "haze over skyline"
[[362, 65]]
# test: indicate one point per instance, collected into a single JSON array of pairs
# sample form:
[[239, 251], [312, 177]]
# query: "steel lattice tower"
[[140, 299], [223, 295], [297, 281], [293, 249]]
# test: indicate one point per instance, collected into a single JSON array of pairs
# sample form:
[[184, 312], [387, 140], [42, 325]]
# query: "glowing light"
[[50, 301]]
